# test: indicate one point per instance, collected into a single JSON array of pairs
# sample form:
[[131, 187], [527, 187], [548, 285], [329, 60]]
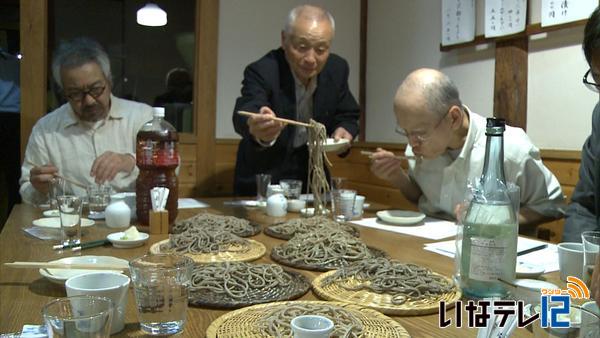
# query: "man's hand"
[[40, 177], [109, 164], [386, 165], [339, 134], [263, 127]]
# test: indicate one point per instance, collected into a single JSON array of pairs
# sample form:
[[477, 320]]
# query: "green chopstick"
[[81, 246]]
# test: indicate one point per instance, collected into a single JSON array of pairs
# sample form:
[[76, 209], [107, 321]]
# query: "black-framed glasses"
[[421, 137], [593, 86], [79, 95]]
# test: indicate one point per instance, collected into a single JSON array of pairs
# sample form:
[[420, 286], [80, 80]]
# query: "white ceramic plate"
[[54, 222], [526, 270], [117, 242], [400, 217], [51, 213], [59, 276], [332, 145]]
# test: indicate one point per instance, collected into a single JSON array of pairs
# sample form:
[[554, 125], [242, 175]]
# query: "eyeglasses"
[[423, 136], [593, 86], [79, 95]]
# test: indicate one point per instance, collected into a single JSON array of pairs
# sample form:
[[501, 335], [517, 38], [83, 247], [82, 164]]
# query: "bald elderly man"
[[448, 141], [299, 81]]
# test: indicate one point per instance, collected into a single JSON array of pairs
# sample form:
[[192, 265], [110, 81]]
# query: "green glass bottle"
[[490, 232]]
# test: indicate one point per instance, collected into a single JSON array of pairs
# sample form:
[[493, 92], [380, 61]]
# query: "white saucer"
[[54, 222], [117, 242], [332, 145], [526, 270], [400, 217], [59, 276], [51, 213]]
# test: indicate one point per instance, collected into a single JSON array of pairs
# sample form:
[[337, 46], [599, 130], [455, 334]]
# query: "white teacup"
[[295, 205], [570, 260], [111, 285], [311, 326]]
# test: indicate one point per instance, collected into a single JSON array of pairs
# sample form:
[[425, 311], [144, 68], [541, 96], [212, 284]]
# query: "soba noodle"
[[403, 282], [317, 179], [211, 222], [239, 280], [304, 225], [276, 323], [198, 240]]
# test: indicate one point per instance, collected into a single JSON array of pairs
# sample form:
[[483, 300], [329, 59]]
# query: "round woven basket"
[[255, 250], [381, 301], [245, 322]]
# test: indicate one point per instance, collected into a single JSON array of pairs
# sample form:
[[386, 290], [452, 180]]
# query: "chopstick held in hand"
[[287, 121], [400, 157]]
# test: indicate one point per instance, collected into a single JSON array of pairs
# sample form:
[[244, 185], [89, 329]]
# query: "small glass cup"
[[98, 198], [342, 203], [56, 187], [161, 285], [69, 208], [262, 183], [78, 316], [292, 189], [591, 254]]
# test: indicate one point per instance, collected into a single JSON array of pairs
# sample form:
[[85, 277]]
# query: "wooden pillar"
[[510, 85], [205, 94], [34, 43]]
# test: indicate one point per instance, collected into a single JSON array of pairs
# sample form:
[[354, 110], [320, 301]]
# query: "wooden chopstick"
[[47, 265], [297, 123], [81, 185], [400, 157]]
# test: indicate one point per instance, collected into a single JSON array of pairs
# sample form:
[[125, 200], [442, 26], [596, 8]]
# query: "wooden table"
[[23, 292]]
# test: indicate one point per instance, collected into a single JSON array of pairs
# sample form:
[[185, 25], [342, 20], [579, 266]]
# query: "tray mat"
[[318, 267], [270, 232], [299, 286], [382, 302], [244, 322], [256, 251]]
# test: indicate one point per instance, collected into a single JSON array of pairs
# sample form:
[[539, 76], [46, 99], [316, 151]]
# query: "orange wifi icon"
[[576, 288]]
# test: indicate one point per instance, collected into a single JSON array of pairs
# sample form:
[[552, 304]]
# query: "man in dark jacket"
[[299, 81]]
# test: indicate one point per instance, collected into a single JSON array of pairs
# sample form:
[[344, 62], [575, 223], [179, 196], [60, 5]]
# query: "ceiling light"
[[151, 15]]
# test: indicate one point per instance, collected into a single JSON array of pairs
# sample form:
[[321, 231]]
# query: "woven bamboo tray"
[[297, 288], [256, 250], [317, 267], [382, 302], [245, 322]]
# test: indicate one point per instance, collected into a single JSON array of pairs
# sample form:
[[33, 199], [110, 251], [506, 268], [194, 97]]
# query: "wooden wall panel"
[[510, 85]]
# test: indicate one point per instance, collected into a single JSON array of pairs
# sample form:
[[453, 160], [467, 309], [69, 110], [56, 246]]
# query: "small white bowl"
[[333, 145], [117, 242], [296, 205], [401, 217]]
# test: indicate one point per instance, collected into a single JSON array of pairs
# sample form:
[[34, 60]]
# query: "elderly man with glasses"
[[446, 150], [584, 210], [91, 138]]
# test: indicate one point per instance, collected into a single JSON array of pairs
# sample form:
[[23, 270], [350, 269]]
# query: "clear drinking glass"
[[57, 187], [78, 316], [69, 208], [591, 254], [262, 183], [98, 198], [343, 204], [292, 189], [161, 284]]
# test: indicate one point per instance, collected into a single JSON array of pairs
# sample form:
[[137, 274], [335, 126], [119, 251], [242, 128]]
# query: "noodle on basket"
[[317, 179], [296, 226], [198, 240], [211, 222], [240, 280], [322, 249], [276, 323], [404, 282]]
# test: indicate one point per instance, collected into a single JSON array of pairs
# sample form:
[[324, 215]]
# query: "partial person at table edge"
[[90, 139], [448, 143], [300, 80]]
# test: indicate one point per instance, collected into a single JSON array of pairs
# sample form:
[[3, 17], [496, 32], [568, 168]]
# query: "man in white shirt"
[[448, 142], [90, 139]]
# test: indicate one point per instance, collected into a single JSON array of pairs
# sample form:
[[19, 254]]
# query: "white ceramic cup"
[[276, 205], [129, 198], [311, 326], [296, 205], [570, 259], [111, 285]]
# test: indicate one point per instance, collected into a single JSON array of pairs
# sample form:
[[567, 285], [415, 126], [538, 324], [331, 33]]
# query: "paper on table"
[[189, 203], [43, 233], [432, 228], [547, 257]]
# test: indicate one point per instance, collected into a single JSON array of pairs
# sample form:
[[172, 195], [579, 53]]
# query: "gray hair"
[[440, 95], [317, 13], [77, 52]]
